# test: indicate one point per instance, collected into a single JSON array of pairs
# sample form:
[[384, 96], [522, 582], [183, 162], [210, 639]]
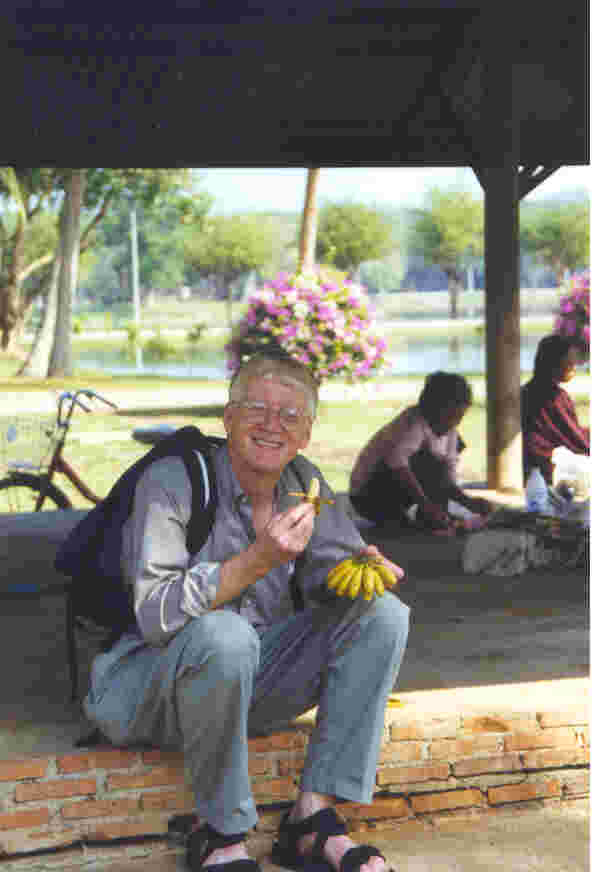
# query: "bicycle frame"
[[58, 463]]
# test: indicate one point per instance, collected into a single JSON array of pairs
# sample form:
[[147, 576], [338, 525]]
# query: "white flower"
[[301, 309]]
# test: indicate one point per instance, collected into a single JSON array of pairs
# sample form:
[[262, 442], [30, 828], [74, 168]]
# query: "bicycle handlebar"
[[75, 400]]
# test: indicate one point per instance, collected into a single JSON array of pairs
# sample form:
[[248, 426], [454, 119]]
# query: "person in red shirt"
[[548, 413]]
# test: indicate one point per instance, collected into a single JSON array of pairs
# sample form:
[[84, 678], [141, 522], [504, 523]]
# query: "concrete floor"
[[465, 631]]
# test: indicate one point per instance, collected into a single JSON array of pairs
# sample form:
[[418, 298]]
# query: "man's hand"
[[287, 535], [434, 515], [373, 552]]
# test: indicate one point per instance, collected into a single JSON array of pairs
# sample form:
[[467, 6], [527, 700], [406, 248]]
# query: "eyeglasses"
[[256, 411]]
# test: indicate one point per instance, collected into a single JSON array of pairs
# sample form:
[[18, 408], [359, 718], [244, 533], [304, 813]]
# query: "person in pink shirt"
[[412, 460]]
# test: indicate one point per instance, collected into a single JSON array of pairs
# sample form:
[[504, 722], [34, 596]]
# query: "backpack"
[[91, 553]]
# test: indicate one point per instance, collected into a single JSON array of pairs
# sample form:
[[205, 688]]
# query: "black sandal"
[[324, 823], [202, 842]]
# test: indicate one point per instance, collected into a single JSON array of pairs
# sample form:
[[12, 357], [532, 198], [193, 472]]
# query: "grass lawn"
[[338, 434]]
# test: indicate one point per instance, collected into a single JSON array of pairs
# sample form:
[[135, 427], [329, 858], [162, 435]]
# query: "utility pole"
[[135, 280]]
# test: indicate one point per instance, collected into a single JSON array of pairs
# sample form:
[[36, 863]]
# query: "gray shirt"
[[170, 586]]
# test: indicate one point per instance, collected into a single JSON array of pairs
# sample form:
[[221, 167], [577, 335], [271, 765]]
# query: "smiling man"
[[224, 649]]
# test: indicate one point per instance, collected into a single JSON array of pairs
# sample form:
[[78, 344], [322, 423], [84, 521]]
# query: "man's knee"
[[224, 638], [390, 618]]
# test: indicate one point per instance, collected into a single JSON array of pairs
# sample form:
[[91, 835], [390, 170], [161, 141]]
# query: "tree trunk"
[[37, 364], [60, 363], [453, 291], [308, 230]]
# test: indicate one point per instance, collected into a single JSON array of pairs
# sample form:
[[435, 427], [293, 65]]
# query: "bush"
[[159, 347], [573, 319], [321, 319]]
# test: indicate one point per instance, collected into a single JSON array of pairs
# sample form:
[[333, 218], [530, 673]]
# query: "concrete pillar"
[[502, 275]]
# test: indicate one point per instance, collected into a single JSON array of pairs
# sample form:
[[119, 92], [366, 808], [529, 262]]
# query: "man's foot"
[[223, 855], [335, 846]]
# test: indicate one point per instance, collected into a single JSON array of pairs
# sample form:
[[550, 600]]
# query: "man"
[[221, 651]]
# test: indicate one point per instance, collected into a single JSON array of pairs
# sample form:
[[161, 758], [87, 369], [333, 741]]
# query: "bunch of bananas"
[[363, 575], [313, 495]]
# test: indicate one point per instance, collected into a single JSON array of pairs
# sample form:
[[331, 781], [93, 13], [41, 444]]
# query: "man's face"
[[258, 438], [449, 417]]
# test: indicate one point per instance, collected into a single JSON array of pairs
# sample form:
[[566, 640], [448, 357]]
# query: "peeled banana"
[[360, 576], [313, 495]]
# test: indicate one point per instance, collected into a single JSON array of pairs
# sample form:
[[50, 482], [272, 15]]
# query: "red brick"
[[432, 802], [168, 758], [554, 758], [405, 732], [564, 717], [100, 808], [278, 742], [388, 807], [107, 759], [521, 792], [486, 724], [260, 765], [142, 825], [554, 737], [291, 765], [403, 752], [23, 842], [453, 749], [177, 800], [17, 770], [56, 789], [22, 819], [157, 778], [483, 765], [412, 774], [278, 788], [575, 783]]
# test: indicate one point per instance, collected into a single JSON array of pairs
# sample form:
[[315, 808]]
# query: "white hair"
[[286, 371]]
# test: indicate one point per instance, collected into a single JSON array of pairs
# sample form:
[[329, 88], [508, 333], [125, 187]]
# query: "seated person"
[[548, 413], [412, 460]]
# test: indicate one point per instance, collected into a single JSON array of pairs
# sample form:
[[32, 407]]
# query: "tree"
[[164, 224], [449, 234], [60, 363], [308, 227], [227, 247], [559, 237], [26, 195], [350, 234]]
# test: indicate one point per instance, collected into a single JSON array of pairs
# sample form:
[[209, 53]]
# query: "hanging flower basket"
[[322, 319], [573, 318]]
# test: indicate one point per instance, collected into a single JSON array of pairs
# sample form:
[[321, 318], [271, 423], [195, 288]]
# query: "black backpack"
[[91, 554]]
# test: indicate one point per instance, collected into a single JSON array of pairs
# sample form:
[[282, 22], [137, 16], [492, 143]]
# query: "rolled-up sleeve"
[[168, 589]]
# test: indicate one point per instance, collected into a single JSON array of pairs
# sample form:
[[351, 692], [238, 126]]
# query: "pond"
[[412, 356]]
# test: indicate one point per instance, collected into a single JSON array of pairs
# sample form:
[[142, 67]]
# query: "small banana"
[[343, 585], [368, 582], [355, 582], [341, 571], [387, 577], [313, 495]]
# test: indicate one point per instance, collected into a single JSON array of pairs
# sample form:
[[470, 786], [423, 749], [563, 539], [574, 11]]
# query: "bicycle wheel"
[[19, 492]]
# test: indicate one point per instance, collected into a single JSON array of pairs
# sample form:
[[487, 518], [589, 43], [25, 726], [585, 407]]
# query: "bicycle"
[[27, 486]]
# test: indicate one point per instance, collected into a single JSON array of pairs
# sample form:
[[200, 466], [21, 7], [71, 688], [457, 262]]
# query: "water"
[[413, 356]]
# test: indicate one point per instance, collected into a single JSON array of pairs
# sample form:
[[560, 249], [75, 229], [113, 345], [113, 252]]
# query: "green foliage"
[[134, 337], [195, 333], [229, 246], [349, 234], [159, 347], [449, 232], [559, 236]]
